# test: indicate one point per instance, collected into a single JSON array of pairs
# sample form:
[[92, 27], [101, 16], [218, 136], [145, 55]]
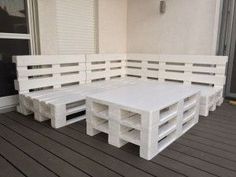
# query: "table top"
[[146, 96]]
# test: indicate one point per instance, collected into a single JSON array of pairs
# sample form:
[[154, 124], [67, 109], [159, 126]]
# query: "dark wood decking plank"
[[226, 110], [219, 119], [170, 163], [82, 123], [213, 137], [42, 156], [222, 119], [218, 114], [134, 161], [197, 163], [226, 107], [218, 161], [217, 123], [211, 143], [28, 166], [78, 127], [80, 163], [184, 168], [217, 133], [7, 169], [217, 127], [207, 149], [88, 151]]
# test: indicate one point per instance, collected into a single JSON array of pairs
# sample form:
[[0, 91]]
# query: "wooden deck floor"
[[29, 148]]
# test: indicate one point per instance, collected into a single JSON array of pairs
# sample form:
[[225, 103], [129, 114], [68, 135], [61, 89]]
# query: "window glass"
[[13, 16], [8, 48]]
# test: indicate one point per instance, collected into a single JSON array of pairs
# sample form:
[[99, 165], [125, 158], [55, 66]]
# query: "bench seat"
[[51, 103]]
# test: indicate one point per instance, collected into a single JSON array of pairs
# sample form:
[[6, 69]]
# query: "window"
[[15, 39], [13, 16], [9, 47]]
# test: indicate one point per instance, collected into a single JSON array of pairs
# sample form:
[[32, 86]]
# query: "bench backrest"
[[47, 72], [105, 66], [36, 73], [188, 69]]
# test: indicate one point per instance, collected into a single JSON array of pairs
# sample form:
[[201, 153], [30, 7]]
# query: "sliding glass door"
[[231, 46], [15, 39], [228, 45]]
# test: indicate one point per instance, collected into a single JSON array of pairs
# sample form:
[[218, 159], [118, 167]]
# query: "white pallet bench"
[[204, 72], [46, 80], [72, 102], [46, 76], [47, 94], [44, 103], [147, 114], [47, 72]]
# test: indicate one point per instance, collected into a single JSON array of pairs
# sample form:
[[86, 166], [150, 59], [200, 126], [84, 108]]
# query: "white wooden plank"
[[200, 59], [22, 72], [32, 60], [45, 82], [104, 57]]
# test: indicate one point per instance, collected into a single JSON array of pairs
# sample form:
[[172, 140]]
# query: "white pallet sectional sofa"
[[55, 87]]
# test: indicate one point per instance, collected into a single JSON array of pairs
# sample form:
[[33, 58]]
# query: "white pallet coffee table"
[[147, 114]]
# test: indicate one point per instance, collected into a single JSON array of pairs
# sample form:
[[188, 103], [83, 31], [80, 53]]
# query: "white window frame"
[[8, 103]]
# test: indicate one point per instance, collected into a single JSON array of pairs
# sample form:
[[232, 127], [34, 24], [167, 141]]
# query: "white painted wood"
[[33, 60], [44, 71], [35, 72], [28, 84], [105, 66], [149, 114], [46, 105], [185, 68], [198, 59]]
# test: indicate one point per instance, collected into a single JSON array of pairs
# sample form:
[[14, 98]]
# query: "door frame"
[[231, 56], [227, 41], [9, 103]]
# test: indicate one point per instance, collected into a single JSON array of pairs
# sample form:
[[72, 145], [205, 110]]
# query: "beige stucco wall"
[[112, 26], [187, 27], [112, 23]]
